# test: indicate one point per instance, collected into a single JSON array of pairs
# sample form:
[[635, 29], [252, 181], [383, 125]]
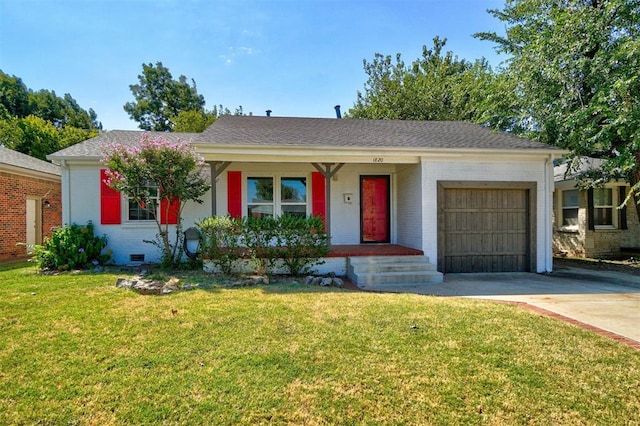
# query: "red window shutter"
[[110, 211], [318, 195], [171, 216], [234, 193]]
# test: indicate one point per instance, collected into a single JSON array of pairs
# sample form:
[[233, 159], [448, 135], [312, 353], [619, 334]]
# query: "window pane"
[[570, 198], [260, 210], [570, 217], [136, 212], [293, 190], [294, 210], [602, 197], [259, 190], [603, 216]]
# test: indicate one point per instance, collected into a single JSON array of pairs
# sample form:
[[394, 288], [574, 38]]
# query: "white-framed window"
[[603, 208], [293, 196], [147, 210], [570, 207], [276, 196]]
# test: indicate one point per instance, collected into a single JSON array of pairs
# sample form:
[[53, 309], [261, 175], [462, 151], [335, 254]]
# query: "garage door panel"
[[485, 263], [485, 230]]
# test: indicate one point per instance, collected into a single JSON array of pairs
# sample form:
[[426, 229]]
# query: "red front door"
[[374, 209]]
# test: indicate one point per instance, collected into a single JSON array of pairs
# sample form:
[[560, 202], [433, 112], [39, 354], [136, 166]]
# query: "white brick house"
[[468, 198]]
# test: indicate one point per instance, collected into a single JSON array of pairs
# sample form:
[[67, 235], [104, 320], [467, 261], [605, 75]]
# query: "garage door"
[[484, 229]]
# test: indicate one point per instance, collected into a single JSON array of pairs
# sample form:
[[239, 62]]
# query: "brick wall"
[[599, 243], [13, 210]]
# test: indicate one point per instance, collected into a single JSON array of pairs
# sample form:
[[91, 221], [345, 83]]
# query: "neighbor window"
[[570, 209], [603, 207], [148, 209], [269, 196]]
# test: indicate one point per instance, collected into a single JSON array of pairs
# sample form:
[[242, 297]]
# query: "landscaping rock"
[[251, 281], [327, 281], [142, 286]]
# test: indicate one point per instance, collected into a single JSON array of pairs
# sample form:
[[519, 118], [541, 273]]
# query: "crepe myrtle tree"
[[158, 174]]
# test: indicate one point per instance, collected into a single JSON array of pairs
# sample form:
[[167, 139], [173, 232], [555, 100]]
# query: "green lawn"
[[74, 349]]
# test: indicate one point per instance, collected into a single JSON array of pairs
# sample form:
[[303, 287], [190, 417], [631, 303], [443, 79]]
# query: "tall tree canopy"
[[437, 86], [159, 98], [38, 123], [573, 79]]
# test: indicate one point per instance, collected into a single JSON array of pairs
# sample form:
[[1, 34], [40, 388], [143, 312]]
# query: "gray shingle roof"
[[293, 132], [563, 171], [355, 133], [94, 147], [18, 159]]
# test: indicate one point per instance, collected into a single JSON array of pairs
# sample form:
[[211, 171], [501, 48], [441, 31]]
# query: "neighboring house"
[[588, 223], [468, 198], [29, 200]]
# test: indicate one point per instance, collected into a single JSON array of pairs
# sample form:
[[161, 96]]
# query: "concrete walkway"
[[608, 301]]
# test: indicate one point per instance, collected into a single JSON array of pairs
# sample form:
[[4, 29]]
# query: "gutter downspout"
[[548, 209], [66, 191]]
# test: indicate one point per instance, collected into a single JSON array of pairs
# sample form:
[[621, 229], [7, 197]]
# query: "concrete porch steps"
[[378, 272]]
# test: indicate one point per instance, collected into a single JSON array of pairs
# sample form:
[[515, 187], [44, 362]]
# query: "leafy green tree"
[[174, 167], [573, 76], [159, 98], [39, 123], [14, 97], [192, 121], [437, 86], [39, 137]]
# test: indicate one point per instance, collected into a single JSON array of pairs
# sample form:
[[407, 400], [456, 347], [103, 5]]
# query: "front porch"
[[380, 266], [352, 250]]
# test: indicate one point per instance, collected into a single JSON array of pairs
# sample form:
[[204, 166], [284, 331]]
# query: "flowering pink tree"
[[157, 173]]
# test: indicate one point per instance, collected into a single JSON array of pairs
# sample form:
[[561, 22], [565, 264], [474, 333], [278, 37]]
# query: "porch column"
[[328, 173], [216, 167]]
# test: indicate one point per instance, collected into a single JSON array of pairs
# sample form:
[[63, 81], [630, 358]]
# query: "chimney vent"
[[338, 115], [268, 113]]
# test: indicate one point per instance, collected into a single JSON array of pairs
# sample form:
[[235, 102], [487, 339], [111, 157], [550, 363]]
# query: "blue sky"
[[298, 58]]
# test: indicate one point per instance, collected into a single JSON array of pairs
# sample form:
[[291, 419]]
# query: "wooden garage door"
[[484, 230]]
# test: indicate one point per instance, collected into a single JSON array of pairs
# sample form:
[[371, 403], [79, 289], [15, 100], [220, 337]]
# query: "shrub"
[[71, 247], [221, 241], [299, 242], [260, 236]]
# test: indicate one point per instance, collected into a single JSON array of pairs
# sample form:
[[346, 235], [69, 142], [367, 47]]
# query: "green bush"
[[299, 242], [259, 237], [221, 241], [71, 247]]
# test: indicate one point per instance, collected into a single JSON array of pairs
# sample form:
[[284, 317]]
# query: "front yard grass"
[[74, 349]]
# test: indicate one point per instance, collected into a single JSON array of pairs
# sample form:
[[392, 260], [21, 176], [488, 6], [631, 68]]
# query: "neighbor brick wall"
[[13, 195], [599, 243]]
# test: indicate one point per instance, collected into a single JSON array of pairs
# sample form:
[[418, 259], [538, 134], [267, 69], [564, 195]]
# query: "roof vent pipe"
[[268, 113], [338, 115]]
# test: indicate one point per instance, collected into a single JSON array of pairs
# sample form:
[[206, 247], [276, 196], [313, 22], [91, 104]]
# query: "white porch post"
[[216, 167], [328, 174]]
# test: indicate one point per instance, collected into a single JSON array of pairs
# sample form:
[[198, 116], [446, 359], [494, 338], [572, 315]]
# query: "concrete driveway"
[[609, 301]]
